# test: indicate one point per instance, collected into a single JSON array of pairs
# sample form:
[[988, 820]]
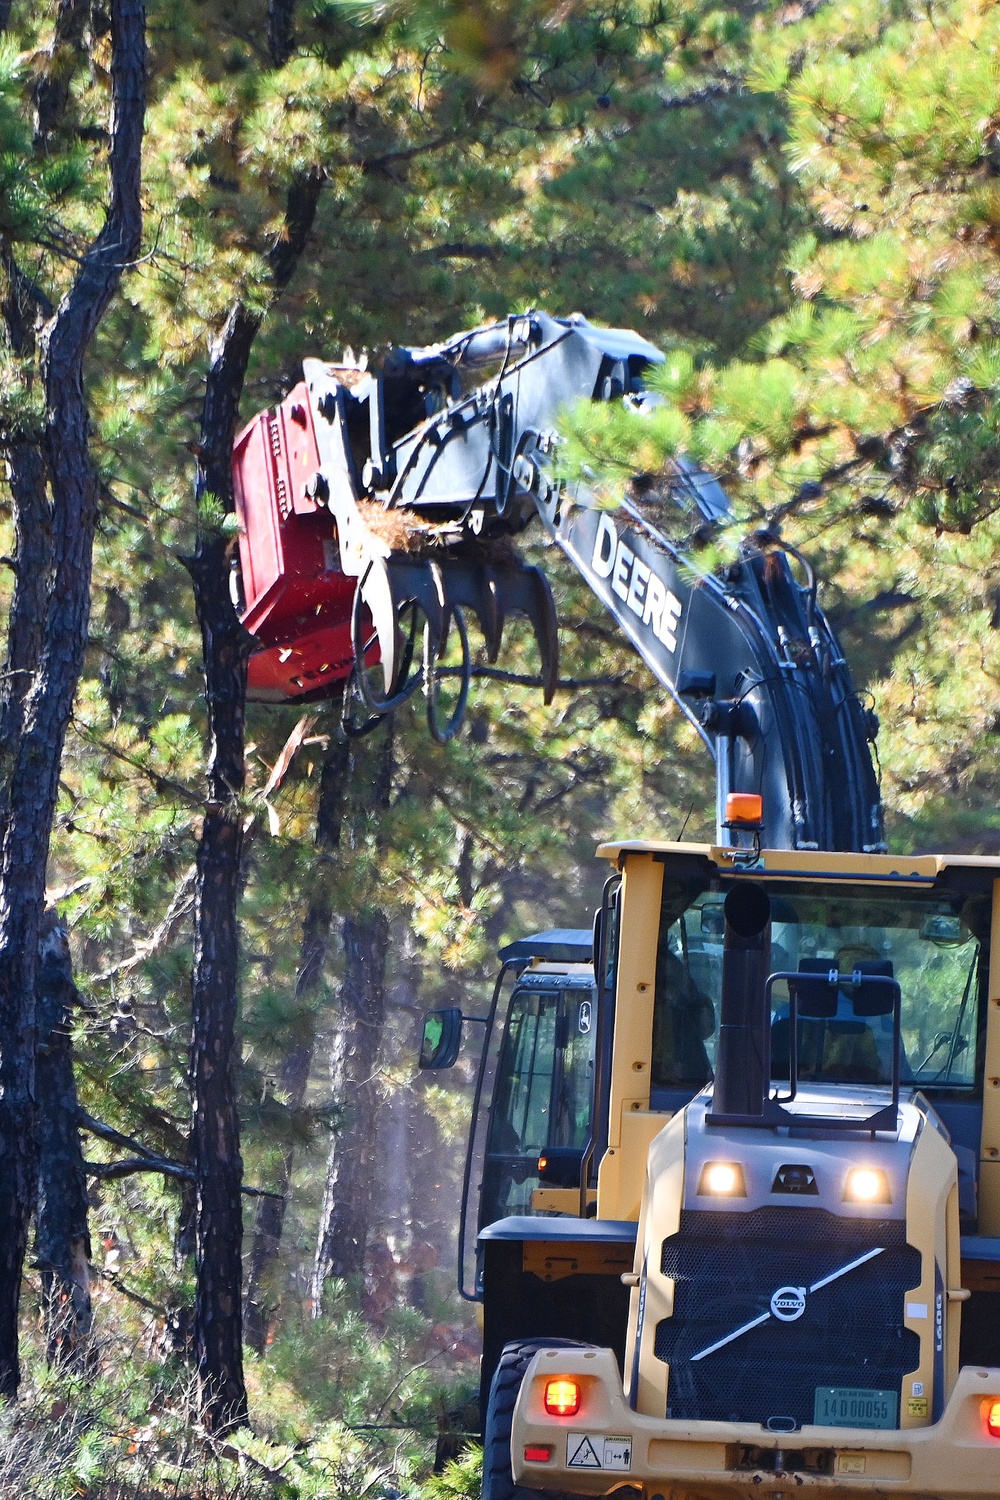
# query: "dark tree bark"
[[21, 308], [347, 1207], [34, 761], [296, 1066], [215, 1145], [350, 1173], [280, 30], [215, 1132], [62, 1238]]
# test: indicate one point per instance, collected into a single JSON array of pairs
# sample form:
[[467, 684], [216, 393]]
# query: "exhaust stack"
[[743, 1061]]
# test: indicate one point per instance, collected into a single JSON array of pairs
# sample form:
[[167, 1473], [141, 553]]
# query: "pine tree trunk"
[[350, 1173], [32, 544], [33, 763], [293, 1075], [215, 1130], [62, 1237], [269, 1219], [218, 1320], [347, 1206]]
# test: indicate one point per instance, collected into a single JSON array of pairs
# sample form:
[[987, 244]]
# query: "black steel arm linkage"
[[745, 651]]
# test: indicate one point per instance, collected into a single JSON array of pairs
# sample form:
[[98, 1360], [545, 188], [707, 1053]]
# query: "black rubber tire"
[[498, 1479]]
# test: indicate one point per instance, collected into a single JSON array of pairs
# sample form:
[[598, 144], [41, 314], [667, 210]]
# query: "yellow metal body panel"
[[627, 1168], [551, 1260], [981, 1275], [989, 1154], [956, 1459], [642, 885], [989, 1193], [918, 868], [932, 1228]]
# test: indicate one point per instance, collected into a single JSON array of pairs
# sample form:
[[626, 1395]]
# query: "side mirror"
[[942, 929], [442, 1038]]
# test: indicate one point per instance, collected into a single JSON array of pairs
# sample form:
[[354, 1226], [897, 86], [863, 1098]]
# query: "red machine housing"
[[297, 602]]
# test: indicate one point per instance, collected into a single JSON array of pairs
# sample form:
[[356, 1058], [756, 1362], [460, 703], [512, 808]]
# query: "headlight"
[[722, 1179], [867, 1185]]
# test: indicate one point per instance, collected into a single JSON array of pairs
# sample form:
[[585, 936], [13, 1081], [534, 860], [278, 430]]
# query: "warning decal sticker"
[[586, 1450], [581, 1453]]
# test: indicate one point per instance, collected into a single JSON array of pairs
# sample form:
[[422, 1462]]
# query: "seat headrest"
[[815, 997], [873, 999]]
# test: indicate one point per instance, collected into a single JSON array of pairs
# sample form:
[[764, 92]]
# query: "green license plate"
[[840, 1406]]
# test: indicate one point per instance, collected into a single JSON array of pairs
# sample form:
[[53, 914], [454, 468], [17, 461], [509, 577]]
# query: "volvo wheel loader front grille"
[[773, 1308]]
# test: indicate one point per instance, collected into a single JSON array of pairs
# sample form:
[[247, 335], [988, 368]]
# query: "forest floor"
[[340, 1409]]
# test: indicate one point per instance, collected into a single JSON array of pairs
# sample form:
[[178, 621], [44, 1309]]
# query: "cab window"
[[543, 1095], [934, 945]]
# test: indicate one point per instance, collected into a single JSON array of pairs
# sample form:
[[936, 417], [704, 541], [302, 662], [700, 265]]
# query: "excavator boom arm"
[[408, 486]]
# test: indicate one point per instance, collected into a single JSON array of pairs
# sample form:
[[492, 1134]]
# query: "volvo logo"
[[789, 1303]]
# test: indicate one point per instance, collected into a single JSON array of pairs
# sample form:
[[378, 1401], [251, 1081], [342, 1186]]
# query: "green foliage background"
[[799, 203]]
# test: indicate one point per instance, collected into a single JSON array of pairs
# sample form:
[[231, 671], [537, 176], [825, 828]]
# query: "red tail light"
[[562, 1397], [993, 1416]]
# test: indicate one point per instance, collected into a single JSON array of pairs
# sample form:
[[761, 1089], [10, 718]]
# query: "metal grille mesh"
[[727, 1265]]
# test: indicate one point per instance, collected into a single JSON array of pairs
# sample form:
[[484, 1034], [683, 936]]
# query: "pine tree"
[[50, 611]]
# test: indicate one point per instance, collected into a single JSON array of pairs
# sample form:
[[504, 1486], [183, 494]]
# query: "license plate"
[[842, 1406]]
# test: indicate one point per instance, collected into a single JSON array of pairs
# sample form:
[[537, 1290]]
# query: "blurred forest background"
[[800, 203]]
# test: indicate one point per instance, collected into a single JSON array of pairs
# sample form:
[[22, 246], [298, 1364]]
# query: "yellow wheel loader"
[[787, 1274]]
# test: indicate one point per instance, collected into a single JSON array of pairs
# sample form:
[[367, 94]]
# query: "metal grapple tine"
[[525, 591], [387, 587], [471, 585]]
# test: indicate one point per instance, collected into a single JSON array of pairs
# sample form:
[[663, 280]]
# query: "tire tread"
[[498, 1480]]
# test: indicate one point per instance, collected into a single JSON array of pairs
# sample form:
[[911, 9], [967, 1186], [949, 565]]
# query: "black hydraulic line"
[[457, 716], [379, 706]]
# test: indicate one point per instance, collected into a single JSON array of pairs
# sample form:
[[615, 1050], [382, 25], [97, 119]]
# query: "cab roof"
[[906, 869], [560, 945]]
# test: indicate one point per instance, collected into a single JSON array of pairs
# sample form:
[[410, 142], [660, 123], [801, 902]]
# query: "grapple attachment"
[[328, 590]]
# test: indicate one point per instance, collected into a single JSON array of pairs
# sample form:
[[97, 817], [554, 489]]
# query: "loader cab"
[[543, 1078], [535, 1087]]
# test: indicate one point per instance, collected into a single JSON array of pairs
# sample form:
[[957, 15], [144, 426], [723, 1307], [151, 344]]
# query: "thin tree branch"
[[181, 904], [108, 1171], [160, 783], [120, 1286], [111, 1135]]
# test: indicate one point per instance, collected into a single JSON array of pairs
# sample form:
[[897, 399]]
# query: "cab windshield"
[[932, 945]]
